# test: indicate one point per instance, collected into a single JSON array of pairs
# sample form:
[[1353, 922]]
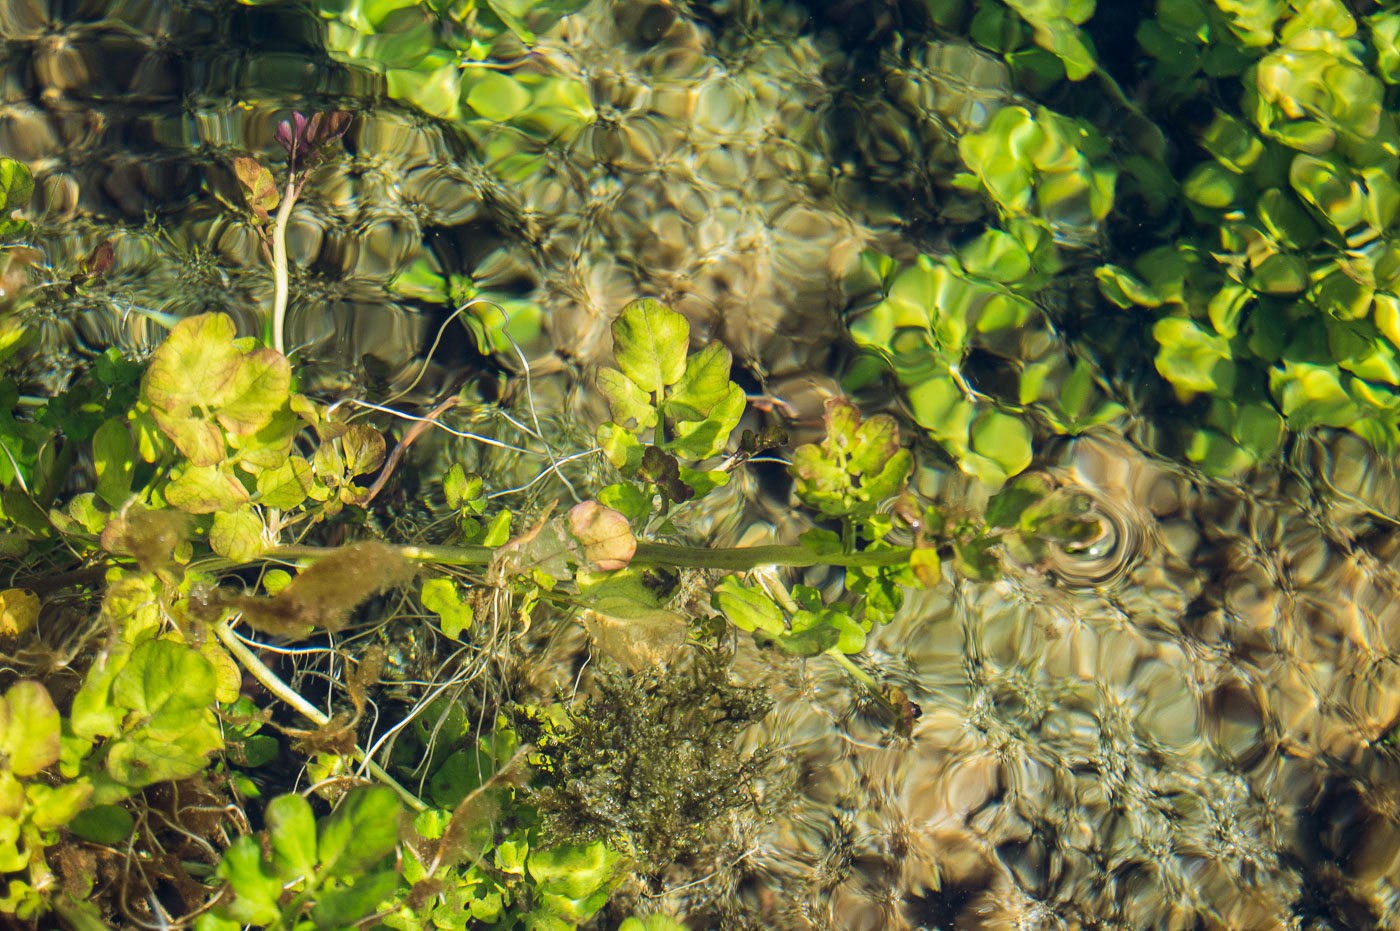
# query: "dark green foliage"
[[649, 761]]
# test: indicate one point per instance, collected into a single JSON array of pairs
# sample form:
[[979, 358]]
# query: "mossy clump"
[[646, 763]]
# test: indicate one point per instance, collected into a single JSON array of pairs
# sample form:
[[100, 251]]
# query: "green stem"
[[737, 559]]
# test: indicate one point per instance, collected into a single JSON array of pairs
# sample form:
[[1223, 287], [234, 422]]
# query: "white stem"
[[279, 266]]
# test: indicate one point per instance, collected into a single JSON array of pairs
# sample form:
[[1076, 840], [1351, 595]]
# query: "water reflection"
[[1181, 728]]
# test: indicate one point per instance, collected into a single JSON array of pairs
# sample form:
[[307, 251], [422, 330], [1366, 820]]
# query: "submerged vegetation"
[[238, 693]]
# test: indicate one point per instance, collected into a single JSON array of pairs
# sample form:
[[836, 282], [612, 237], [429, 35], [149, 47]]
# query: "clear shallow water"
[[1185, 732]]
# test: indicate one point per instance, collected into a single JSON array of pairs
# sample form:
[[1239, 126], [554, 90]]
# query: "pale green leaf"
[[650, 342]]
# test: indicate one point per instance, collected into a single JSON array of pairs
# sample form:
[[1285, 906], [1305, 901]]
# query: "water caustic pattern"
[[1181, 728], [1180, 733]]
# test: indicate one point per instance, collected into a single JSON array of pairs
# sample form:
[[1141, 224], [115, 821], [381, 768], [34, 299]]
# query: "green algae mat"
[[643, 465]]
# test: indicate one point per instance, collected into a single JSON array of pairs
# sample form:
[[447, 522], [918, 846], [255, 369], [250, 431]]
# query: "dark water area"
[[1186, 727]]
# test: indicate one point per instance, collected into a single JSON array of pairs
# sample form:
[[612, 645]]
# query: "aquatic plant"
[[209, 470]]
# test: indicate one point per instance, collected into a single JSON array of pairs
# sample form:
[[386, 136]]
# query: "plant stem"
[[736, 559], [279, 266], [282, 690]]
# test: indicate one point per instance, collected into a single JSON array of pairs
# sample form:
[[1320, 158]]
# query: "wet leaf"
[[495, 96], [630, 405], [195, 367], [661, 469], [103, 824], [346, 906], [261, 385], [256, 887], [573, 870], [165, 680], [364, 449]]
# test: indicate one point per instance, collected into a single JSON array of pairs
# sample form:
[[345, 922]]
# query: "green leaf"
[[651, 923], [16, 184], [462, 490], [346, 906], [440, 596], [625, 498], [747, 608], [236, 535], [363, 830], [630, 405], [196, 365], [573, 871], [256, 888], [261, 384], [650, 342], [164, 680], [201, 441], [29, 728], [103, 824], [93, 713], [114, 459], [1193, 360], [206, 489], [364, 449], [709, 437], [856, 466], [996, 255], [1004, 439], [704, 385], [621, 446], [147, 756], [286, 486], [54, 806], [292, 830]]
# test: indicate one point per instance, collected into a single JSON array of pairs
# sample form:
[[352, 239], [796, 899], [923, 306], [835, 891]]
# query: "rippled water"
[[1183, 730]]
